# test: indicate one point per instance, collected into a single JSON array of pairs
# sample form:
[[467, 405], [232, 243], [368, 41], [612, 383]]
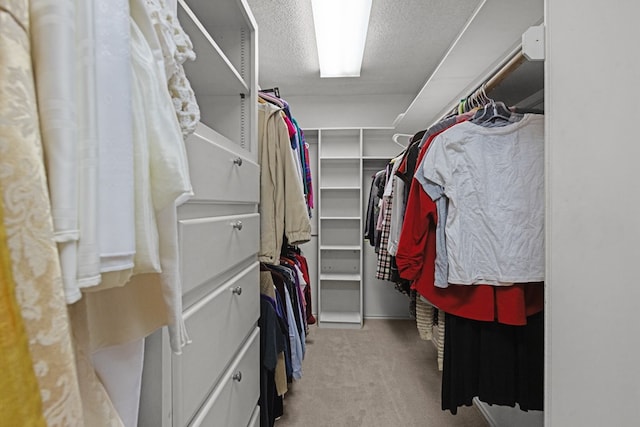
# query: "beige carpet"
[[383, 375]]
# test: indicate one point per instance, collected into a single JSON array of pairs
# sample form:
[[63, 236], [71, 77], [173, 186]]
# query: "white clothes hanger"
[[403, 135]]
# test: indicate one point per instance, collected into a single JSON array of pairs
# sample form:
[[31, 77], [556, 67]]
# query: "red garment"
[[302, 263], [290, 127], [416, 262]]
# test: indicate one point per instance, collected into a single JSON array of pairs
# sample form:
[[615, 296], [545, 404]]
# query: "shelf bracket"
[[533, 43]]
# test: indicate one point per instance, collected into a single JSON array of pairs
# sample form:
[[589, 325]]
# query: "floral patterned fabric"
[[28, 223], [20, 402]]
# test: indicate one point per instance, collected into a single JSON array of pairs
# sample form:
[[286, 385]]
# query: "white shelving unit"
[[219, 236], [347, 287], [224, 74], [340, 245]]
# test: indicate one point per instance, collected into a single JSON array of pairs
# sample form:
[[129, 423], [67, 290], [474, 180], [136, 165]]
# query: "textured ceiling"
[[406, 41]]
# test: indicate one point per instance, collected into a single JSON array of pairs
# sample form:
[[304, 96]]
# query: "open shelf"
[[340, 232], [340, 143], [224, 74], [340, 263], [210, 60], [340, 173], [340, 203]]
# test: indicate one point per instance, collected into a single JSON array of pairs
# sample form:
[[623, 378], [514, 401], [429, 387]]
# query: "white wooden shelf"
[[340, 158], [212, 73], [333, 218], [340, 317], [339, 247], [341, 277], [344, 187]]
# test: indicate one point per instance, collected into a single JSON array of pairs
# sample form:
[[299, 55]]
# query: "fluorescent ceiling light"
[[341, 32]]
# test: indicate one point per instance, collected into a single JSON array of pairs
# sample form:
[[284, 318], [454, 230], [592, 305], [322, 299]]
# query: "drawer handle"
[[237, 161], [237, 290], [237, 376], [237, 225]]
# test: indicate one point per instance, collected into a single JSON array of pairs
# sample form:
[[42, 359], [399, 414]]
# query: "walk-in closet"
[[318, 213]]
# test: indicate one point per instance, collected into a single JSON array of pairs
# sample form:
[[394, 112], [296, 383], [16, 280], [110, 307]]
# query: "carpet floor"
[[383, 375]]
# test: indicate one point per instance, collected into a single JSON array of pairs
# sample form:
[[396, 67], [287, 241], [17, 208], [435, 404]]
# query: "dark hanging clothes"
[[500, 364], [272, 342], [373, 209]]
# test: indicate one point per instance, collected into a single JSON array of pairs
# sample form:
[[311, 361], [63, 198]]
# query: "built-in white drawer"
[[218, 324], [210, 246], [234, 400], [255, 418], [218, 174]]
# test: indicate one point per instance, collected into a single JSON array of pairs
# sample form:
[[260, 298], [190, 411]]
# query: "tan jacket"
[[283, 210]]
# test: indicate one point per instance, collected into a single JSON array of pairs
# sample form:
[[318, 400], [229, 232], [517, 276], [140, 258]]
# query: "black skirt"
[[500, 364]]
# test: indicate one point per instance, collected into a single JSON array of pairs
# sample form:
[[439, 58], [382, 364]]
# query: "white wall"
[[593, 213], [348, 111]]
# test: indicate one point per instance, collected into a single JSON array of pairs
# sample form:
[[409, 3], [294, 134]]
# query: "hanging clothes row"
[[383, 222], [286, 201], [284, 321], [471, 245], [97, 90]]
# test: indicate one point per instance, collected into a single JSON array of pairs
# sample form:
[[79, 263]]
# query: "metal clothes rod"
[[517, 60]]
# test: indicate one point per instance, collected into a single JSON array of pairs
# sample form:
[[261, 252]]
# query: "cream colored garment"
[[170, 180], [88, 245], [176, 49], [116, 217], [53, 54], [283, 209], [150, 301], [424, 318], [29, 227]]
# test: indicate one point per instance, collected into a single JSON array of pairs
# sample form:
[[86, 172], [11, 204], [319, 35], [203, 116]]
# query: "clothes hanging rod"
[[508, 68], [490, 83]]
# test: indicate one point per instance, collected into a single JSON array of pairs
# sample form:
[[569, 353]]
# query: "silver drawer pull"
[[237, 161], [237, 290], [237, 225], [237, 376]]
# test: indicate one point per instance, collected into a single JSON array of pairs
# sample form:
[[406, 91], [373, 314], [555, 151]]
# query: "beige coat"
[[283, 210]]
